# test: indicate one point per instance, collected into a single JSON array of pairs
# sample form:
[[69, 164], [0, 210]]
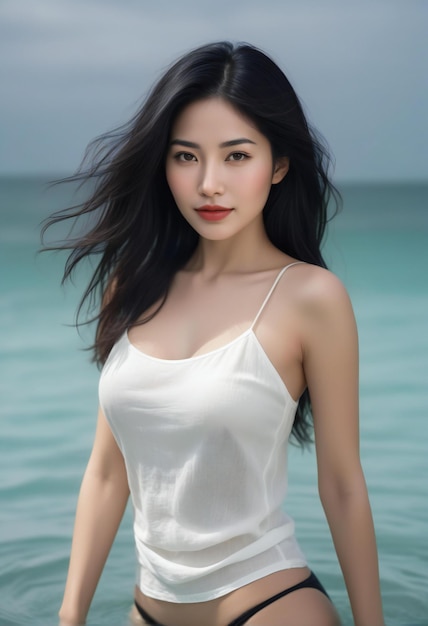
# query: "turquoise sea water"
[[378, 246]]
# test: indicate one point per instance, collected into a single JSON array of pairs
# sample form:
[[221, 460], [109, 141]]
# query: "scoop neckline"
[[190, 358], [249, 331]]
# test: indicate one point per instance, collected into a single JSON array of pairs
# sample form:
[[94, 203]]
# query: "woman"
[[219, 330]]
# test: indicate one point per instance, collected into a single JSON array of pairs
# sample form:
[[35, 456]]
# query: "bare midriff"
[[223, 610]]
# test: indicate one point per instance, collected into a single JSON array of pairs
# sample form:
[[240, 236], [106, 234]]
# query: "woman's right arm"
[[102, 501]]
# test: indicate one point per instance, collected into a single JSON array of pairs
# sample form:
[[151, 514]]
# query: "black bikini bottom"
[[311, 582]]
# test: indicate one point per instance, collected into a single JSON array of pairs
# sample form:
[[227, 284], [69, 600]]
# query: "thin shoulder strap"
[[272, 289]]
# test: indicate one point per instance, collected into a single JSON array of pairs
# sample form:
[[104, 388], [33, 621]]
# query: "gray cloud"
[[72, 69]]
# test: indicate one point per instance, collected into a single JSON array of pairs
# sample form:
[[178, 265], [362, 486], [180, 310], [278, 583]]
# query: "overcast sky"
[[72, 69]]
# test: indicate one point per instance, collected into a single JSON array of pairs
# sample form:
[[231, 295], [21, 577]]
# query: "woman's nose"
[[211, 182]]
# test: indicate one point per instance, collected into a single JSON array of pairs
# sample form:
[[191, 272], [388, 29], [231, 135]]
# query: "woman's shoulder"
[[316, 290]]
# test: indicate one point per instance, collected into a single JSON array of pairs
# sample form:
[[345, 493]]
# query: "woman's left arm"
[[330, 350]]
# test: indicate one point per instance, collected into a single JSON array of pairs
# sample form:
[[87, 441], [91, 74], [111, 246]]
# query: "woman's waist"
[[201, 575], [190, 544]]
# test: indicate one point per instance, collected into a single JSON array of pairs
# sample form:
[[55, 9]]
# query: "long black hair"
[[137, 234]]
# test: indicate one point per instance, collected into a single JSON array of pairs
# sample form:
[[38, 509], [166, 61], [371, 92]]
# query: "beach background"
[[378, 245]]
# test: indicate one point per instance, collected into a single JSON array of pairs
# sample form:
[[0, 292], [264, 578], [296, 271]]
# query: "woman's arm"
[[331, 370], [100, 508]]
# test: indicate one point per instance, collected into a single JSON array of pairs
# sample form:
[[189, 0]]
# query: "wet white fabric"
[[205, 445]]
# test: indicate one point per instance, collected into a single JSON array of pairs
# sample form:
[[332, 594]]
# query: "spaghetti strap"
[[272, 289]]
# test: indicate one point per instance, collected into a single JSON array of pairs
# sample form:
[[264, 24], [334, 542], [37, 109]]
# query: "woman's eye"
[[184, 156], [237, 156]]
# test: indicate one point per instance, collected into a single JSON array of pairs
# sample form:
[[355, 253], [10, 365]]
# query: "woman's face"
[[219, 168]]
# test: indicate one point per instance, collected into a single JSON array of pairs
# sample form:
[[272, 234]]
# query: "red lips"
[[213, 212]]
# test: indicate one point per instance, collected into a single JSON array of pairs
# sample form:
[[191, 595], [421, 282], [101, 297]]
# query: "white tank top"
[[204, 441]]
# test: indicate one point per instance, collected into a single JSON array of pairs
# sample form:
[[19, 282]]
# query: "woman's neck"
[[234, 255]]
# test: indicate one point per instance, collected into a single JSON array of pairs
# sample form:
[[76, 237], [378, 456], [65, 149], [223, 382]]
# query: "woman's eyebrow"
[[225, 144], [236, 142]]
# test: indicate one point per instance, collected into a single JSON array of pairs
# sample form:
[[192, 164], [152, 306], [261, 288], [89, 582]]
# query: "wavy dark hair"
[[136, 233]]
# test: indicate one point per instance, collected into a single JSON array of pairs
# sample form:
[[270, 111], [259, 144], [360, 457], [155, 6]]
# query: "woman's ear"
[[280, 170]]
